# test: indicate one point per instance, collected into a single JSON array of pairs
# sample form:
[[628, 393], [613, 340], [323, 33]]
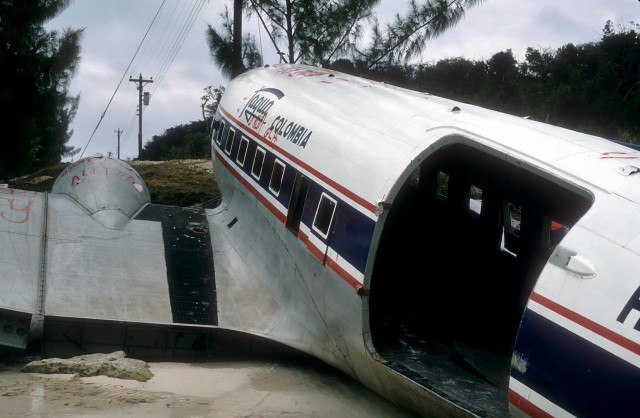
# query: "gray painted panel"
[[102, 273], [21, 216]]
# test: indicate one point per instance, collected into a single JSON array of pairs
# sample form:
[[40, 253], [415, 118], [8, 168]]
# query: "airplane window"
[[230, 137], [324, 215], [276, 177], [220, 130], [511, 224], [258, 160], [475, 199], [443, 185], [242, 151]]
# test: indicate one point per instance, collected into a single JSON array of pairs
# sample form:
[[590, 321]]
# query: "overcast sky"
[[120, 42]]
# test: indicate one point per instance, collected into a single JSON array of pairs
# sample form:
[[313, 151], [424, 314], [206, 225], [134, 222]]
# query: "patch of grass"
[[174, 182], [179, 182]]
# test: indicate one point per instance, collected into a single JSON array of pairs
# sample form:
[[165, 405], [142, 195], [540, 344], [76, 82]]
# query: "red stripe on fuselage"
[[526, 406], [314, 250], [279, 215], [587, 323], [331, 183]]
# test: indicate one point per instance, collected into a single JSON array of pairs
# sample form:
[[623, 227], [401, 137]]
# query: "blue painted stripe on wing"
[[575, 373]]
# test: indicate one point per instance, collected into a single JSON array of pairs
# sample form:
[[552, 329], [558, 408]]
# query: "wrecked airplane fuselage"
[[455, 260]]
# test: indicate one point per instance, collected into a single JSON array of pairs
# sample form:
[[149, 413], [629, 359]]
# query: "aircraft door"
[[296, 203]]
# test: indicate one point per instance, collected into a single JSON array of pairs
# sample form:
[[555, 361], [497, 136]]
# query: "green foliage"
[[180, 142], [592, 87], [210, 101], [456, 78], [221, 47], [319, 32], [406, 36], [37, 67], [314, 31], [180, 182]]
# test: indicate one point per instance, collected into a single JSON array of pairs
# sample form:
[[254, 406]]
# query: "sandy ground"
[[213, 389]]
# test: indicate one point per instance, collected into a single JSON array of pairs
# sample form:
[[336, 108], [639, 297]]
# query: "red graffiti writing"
[[301, 72], [256, 122], [73, 166], [127, 176], [271, 135], [89, 171], [15, 214], [103, 168]]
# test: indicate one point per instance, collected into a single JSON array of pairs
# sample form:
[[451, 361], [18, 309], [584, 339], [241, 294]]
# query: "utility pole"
[[118, 131], [140, 82], [237, 67]]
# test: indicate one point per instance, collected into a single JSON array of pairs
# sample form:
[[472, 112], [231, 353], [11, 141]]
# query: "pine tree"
[[320, 32], [37, 67]]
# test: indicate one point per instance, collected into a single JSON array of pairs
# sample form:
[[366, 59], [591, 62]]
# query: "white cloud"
[[115, 28]]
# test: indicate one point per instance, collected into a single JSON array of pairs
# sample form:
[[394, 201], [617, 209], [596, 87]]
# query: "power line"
[[184, 31], [120, 82], [156, 52]]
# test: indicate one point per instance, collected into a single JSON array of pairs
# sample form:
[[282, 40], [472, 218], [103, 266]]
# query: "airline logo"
[[255, 112]]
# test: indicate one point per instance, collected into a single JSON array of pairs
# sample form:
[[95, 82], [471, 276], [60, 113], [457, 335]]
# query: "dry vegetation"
[[174, 182]]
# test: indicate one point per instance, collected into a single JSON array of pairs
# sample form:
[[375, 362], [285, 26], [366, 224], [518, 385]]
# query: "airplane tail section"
[[96, 249]]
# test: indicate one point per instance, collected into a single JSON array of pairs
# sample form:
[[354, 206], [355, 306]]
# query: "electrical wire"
[[123, 76], [158, 49]]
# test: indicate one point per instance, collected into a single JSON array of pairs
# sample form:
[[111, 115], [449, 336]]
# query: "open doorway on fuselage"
[[461, 248]]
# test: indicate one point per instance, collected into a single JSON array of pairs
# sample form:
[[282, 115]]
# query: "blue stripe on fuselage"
[[353, 231], [574, 373]]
